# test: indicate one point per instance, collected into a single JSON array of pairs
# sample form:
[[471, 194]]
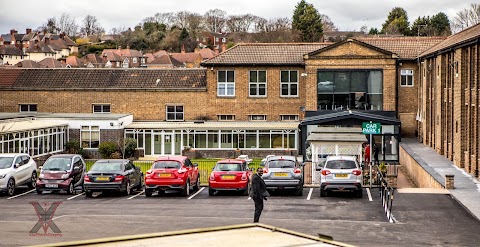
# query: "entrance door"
[[163, 143]]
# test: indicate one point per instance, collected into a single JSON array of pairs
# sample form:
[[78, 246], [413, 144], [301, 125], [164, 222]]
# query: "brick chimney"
[[13, 31], [47, 40], [224, 47], [28, 30], [215, 49], [182, 50], [62, 36]]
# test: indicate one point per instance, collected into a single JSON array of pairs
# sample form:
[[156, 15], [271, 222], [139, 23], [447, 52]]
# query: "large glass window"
[[345, 89], [90, 136], [289, 83], [226, 83], [258, 83]]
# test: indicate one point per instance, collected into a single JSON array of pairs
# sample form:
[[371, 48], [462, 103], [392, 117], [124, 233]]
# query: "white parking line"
[[200, 190], [21, 194], [309, 194], [75, 196], [369, 195], [141, 192]]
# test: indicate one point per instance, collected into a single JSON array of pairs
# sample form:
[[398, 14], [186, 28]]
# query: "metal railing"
[[386, 191]]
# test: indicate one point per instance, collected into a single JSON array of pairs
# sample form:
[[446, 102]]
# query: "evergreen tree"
[[397, 22], [308, 22]]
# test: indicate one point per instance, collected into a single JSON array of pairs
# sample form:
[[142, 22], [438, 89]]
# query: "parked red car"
[[172, 173], [230, 174]]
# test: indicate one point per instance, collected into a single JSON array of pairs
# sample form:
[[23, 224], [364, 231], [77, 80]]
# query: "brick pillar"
[[449, 182], [392, 181]]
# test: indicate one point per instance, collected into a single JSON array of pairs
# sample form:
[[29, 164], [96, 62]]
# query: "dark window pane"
[[404, 80], [359, 81], [284, 76], [261, 90], [33, 107], [179, 108], [293, 76], [293, 89], [253, 89], [97, 108], [230, 76], [179, 116], [284, 89], [342, 82], [221, 76], [23, 107], [325, 81], [253, 76], [170, 116], [106, 108], [170, 108], [262, 76]]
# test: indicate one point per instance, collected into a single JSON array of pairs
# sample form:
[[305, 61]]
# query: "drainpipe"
[[396, 88]]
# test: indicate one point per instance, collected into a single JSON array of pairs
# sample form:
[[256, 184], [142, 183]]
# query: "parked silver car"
[[284, 173], [341, 173], [17, 169]]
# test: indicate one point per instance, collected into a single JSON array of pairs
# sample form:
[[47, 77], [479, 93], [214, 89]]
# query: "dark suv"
[[62, 172]]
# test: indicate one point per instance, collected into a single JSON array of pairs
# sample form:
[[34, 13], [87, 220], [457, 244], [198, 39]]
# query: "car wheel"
[[196, 187], [39, 191], [359, 193], [148, 193], [71, 188], [323, 193], [89, 193], [11, 187], [33, 182], [299, 191], [141, 184], [127, 189], [211, 191], [186, 190], [247, 189]]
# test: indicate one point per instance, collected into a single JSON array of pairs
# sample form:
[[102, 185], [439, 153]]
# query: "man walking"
[[257, 193]]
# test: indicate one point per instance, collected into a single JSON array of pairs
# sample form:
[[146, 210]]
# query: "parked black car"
[[61, 172], [119, 175]]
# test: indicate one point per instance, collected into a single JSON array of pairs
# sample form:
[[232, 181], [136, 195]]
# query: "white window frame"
[[174, 112], [126, 63], [90, 130], [257, 83], [289, 117], [257, 117], [29, 107], [225, 84], [406, 73], [289, 84], [226, 117], [134, 60], [103, 108]]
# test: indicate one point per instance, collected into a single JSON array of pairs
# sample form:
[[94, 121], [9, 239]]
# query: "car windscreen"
[[341, 164], [281, 164], [107, 167], [5, 162], [166, 165], [225, 167], [57, 164]]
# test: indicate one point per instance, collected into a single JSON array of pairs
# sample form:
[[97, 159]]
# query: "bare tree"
[[67, 25], [91, 26], [168, 19], [327, 23], [50, 26], [241, 23], [215, 20], [466, 18]]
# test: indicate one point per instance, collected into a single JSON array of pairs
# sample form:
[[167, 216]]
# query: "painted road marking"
[[309, 194], [200, 190], [75, 196], [369, 195], [141, 192], [21, 194]]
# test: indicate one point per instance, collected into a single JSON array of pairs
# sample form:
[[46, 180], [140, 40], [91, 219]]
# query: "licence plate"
[[102, 179], [281, 174], [229, 177], [341, 175], [164, 175], [51, 185]]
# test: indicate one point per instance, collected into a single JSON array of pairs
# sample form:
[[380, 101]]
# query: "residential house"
[[94, 61], [189, 59], [40, 50], [206, 53], [213, 39], [130, 58], [28, 64], [10, 55], [165, 61], [51, 63], [75, 62]]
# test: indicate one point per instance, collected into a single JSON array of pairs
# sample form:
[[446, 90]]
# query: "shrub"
[[116, 155], [106, 149], [130, 146], [73, 147]]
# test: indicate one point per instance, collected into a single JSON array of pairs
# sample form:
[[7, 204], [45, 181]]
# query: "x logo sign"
[[45, 217]]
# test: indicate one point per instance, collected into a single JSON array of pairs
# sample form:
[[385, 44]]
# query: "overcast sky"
[[346, 14]]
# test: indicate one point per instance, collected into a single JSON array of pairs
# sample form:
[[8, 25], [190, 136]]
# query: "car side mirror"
[[319, 167], [17, 165], [195, 165], [213, 168]]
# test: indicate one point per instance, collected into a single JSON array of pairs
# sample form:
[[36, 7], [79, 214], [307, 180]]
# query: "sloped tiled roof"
[[404, 47], [10, 50], [207, 53], [7, 38], [76, 62], [28, 37], [160, 53], [141, 79], [94, 58], [28, 64], [166, 60], [58, 44], [464, 36], [124, 52], [39, 47], [265, 53], [149, 57], [51, 63], [186, 57]]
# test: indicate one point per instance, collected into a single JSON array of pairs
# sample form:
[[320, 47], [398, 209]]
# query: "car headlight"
[[65, 176], [2, 176]]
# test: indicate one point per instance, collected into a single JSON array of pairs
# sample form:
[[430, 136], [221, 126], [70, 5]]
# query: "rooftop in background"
[[405, 47], [468, 35]]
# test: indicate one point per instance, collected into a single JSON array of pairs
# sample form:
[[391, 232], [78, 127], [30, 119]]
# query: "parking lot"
[[438, 220]]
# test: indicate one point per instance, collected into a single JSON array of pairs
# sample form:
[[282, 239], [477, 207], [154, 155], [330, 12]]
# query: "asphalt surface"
[[422, 219]]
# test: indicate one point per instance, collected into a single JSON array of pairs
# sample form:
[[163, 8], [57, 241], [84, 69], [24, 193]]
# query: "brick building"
[[448, 112]]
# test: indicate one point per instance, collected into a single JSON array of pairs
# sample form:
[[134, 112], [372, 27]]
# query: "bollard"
[[449, 181]]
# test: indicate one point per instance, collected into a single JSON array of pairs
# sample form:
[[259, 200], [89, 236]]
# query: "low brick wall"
[[417, 172]]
